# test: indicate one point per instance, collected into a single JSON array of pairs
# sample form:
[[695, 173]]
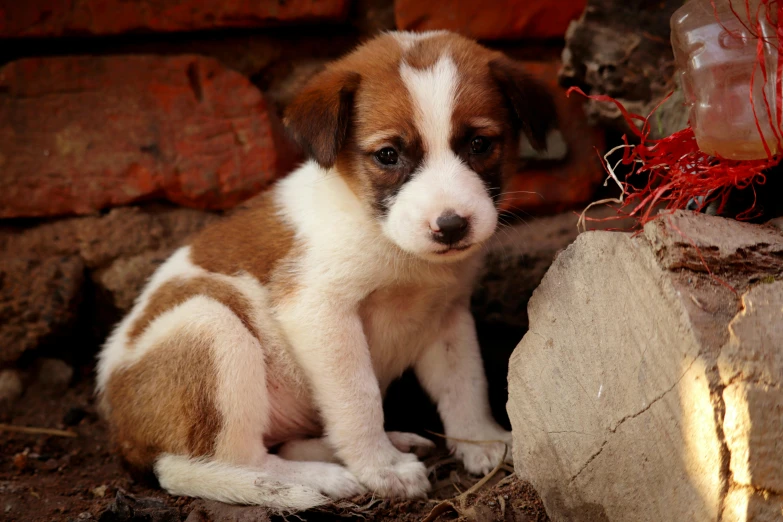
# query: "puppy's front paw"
[[405, 477], [481, 458]]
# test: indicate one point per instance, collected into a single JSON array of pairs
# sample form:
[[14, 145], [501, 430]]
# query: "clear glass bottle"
[[717, 57]]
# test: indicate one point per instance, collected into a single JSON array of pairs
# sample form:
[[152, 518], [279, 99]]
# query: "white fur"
[[408, 39], [451, 371], [369, 303], [287, 486], [443, 183]]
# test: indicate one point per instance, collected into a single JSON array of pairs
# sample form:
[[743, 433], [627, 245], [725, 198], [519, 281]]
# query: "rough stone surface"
[[507, 19], [621, 49], [39, 300], [54, 375], [124, 278], [98, 241], [81, 269], [11, 387], [570, 180], [751, 366], [616, 398], [47, 18], [79, 134], [743, 503]]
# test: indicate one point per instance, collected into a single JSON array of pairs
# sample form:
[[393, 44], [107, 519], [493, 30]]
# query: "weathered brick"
[[100, 17], [79, 134], [506, 19]]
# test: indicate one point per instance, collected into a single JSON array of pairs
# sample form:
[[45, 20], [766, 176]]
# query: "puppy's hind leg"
[[240, 470]]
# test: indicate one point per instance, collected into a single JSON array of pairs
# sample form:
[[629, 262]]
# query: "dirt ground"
[[58, 478]]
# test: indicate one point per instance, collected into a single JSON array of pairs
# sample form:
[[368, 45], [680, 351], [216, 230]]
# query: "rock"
[[127, 232], [11, 387], [54, 375], [621, 49], [743, 503], [124, 279], [510, 19], [212, 511], [101, 17], [98, 241], [39, 300], [128, 508], [644, 390], [751, 366], [42, 287], [80, 134], [568, 175]]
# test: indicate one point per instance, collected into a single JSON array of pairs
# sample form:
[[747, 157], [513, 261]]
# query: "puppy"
[[282, 326]]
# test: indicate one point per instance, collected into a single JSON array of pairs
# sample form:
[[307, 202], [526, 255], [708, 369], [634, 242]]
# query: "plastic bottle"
[[716, 58]]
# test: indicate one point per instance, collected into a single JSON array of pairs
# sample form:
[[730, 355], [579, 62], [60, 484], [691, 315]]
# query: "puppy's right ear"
[[320, 114], [533, 108]]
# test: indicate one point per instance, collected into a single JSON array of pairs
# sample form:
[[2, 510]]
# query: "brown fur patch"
[[319, 116], [531, 106], [254, 240], [165, 402], [177, 291]]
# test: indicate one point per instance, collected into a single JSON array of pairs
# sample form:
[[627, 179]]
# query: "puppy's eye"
[[387, 156], [479, 145]]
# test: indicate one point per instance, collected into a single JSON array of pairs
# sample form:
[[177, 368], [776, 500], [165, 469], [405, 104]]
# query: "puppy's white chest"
[[399, 322]]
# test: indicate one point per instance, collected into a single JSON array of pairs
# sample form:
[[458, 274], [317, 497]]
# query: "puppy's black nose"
[[452, 228]]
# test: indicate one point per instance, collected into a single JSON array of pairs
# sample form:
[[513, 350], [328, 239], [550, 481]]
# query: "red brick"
[[556, 186], [79, 134], [66, 17], [496, 20]]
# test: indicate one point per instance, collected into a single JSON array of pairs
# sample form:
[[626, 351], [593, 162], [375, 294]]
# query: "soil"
[[59, 478]]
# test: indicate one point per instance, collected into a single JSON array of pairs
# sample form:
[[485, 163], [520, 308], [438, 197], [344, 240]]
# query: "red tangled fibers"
[[678, 172]]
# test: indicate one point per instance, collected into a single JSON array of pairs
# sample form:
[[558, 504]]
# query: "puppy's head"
[[425, 129]]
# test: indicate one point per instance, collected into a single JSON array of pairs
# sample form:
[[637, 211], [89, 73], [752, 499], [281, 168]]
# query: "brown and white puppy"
[[283, 325]]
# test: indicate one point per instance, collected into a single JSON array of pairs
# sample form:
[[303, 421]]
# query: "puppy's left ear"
[[319, 116], [532, 107]]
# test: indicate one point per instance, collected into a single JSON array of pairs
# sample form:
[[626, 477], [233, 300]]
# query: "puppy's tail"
[[180, 475]]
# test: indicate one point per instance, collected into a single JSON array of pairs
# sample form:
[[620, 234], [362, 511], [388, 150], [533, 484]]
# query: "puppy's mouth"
[[452, 249]]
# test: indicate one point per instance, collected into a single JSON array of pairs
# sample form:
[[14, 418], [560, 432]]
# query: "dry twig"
[[37, 431], [449, 505]]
